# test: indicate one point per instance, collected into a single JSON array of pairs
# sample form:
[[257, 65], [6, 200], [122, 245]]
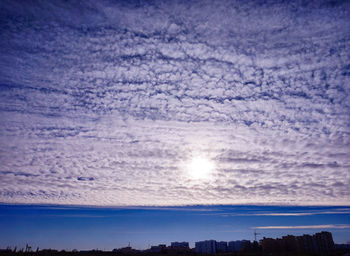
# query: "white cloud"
[[328, 226], [105, 103]]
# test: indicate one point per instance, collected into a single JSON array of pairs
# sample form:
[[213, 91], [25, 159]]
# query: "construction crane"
[[255, 234]]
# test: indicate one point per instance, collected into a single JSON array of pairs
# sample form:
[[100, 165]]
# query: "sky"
[[174, 103], [86, 228]]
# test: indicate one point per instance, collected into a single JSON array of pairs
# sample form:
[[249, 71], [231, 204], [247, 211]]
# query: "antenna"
[[255, 234]]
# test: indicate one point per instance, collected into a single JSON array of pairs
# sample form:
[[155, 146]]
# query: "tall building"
[[305, 244], [206, 247], [221, 246], [269, 245], [324, 241], [320, 243], [236, 246], [289, 243]]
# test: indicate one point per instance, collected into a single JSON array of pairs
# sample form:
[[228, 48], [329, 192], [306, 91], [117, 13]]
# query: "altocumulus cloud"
[[103, 103]]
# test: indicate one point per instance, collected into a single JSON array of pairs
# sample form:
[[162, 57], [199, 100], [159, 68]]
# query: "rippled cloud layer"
[[106, 103]]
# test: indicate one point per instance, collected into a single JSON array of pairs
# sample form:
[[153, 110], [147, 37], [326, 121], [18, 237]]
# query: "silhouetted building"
[[206, 247], [268, 244], [180, 245], [236, 246], [324, 241], [320, 242], [158, 248], [221, 246], [289, 243], [231, 246], [124, 250], [305, 244]]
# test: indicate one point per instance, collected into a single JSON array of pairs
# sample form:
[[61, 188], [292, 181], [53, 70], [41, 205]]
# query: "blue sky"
[[65, 227], [174, 103]]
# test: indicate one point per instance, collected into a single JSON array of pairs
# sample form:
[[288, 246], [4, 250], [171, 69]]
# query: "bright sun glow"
[[201, 168]]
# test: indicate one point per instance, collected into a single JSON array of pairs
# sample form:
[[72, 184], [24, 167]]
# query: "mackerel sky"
[[105, 103]]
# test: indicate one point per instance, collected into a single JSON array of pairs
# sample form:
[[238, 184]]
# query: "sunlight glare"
[[201, 168]]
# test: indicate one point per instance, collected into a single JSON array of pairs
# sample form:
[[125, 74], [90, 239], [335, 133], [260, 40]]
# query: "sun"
[[200, 167]]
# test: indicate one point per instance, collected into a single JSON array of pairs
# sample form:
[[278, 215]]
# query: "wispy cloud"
[[328, 226], [278, 213], [299, 214]]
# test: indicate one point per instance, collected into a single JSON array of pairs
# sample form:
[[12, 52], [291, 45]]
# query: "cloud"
[[329, 226], [301, 213], [289, 213], [105, 103]]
